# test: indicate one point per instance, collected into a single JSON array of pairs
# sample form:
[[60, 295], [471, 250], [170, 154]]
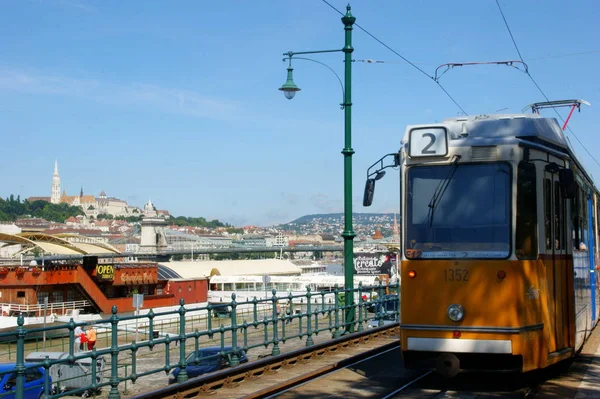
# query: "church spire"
[[55, 196], [81, 192]]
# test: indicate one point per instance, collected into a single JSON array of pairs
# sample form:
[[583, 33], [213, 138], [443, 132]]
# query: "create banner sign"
[[105, 272], [369, 263]]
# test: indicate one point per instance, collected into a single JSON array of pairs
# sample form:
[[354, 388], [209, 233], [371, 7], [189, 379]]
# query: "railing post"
[[182, 376], [133, 376], [360, 307], [47, 385], [20, 364], [336, 325], [275, 350], [94, 385], [235, 359], [71, 326], [309, 332], [151, 328], [255, 312], [114, 356], [209, 320], [380, 308]]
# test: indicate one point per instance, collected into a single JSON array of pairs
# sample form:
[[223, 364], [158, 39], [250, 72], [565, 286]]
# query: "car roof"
[[215, 348], [5, 367]]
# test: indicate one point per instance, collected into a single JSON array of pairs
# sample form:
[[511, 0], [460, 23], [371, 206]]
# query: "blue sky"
[[178, 101]]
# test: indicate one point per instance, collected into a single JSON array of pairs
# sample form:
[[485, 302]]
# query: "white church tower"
[[154, 239], [55, 198]]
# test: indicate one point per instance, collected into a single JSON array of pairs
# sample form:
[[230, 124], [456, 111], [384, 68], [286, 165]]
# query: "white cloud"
[[170, 100]]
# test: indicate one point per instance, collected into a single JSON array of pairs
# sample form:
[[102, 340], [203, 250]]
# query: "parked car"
[[206, 360], [33, 387], [221, 310], [387, 318], [66, 376], [389, 303]]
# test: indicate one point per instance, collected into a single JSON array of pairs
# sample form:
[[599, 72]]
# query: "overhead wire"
[[564, 55], [538, 86], [402, 57], [372, 61]]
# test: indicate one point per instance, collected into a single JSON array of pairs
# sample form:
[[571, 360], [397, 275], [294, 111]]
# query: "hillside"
[[333, 223]]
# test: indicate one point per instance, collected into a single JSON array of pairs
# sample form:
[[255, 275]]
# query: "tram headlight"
[[456, 312]]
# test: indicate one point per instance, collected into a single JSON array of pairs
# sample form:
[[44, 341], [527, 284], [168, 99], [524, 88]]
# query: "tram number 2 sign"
[[428, 142]]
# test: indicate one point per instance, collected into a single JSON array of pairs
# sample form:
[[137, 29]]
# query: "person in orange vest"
[[90, 334]]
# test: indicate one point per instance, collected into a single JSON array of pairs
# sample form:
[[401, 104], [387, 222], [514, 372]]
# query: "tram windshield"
[[458, 211]]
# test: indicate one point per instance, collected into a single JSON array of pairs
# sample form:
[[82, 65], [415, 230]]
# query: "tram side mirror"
[[370, 188], [567, 181], [369, 192]]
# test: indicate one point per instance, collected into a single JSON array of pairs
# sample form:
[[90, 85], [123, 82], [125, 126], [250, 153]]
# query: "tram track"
[[324, 372], [265, 377], [484, 385], [366, 364]]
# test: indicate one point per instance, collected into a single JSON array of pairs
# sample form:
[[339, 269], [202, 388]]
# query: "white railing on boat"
[[62, 308]]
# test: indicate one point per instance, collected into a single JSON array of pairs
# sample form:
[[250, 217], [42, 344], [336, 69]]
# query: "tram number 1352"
[[456, 275]]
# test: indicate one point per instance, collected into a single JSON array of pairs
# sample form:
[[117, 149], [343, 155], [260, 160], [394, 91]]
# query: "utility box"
[[67, 377]]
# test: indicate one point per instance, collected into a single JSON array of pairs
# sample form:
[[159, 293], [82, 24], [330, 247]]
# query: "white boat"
[[246, 288]]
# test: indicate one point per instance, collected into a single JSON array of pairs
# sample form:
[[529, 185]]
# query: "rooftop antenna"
[[535, 107]]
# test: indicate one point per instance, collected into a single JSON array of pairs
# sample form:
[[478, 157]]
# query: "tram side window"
[[548, 212], [559, 239], [584, 217], [596, 218], [526, 242], [575, 215]]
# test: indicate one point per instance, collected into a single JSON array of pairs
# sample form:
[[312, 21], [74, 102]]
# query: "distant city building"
[[278, 240], [91, 206], [377, 235], [154, 238], [32, 224]]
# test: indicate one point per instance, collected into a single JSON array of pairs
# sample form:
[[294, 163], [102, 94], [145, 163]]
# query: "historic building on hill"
[[91, 205]]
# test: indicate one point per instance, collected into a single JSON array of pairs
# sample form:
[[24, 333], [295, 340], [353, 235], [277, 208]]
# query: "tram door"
[[556, 262]]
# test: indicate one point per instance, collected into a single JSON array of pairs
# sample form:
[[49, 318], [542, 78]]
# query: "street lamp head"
[[289, 88]]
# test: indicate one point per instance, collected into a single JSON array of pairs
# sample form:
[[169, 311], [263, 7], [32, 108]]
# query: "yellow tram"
[[498, 254]]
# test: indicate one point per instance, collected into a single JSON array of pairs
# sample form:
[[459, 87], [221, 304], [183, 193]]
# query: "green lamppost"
[[289, 88]]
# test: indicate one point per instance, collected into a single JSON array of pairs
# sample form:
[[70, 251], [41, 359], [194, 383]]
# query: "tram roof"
[[188, 269], [498, 126]]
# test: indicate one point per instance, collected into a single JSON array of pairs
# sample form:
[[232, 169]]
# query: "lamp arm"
[[326, 66]]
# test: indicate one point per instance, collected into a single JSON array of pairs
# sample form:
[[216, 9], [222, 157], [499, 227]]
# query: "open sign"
[[105, 272]]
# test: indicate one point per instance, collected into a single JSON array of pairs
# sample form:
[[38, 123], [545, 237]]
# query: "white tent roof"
[[233, 267]]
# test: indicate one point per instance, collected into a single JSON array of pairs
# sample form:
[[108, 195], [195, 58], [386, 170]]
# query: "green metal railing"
[[173, 335]]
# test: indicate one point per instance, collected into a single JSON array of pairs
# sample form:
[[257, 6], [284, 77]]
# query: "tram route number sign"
[[428, 142]]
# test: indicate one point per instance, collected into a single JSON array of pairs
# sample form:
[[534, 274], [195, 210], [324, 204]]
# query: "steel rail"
[[407, 385], [322, 372], [208, 384]]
